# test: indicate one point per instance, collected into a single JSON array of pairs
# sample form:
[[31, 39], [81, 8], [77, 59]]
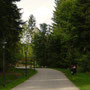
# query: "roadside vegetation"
[[66, 42], [81, 80], [60, 45], [15, 78]]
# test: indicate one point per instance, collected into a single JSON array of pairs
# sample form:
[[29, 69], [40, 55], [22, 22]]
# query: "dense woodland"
[[10, 29], [69, 43], [65, 42]]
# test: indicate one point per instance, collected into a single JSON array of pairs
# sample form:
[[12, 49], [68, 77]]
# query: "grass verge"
[[81, 80], [15, 78]]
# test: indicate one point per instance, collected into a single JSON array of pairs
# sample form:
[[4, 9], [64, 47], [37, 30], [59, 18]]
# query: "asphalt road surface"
[[47, 79]]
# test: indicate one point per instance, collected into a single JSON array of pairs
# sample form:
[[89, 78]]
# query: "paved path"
[[47, 79]]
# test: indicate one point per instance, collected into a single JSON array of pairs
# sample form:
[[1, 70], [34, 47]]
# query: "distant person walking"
[[73, 69]]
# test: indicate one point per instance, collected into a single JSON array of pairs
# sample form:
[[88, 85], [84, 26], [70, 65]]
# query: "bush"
[[85, 62]]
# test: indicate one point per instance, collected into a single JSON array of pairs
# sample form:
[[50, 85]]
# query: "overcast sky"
[[41, 9]]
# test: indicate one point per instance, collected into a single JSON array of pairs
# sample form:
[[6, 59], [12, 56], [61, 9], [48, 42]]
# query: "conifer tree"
[[10, 29]]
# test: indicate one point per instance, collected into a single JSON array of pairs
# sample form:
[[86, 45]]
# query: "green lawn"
[[81, 80], [15, 78]]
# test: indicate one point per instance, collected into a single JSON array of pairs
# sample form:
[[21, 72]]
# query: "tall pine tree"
[[10, 30]]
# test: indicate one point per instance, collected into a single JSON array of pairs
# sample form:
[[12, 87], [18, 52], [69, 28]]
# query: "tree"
[[71, 24], [31, 24], [39, 45], [28, 29], [10, 30], [27, 35]]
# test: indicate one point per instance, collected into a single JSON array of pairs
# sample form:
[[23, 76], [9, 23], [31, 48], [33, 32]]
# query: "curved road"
[[47, 79]]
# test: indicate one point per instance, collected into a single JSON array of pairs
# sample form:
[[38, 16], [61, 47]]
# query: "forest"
[[65, 42]]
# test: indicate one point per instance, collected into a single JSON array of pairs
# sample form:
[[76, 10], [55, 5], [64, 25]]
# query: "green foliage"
[[30, 27], [85, 62], [31, 22], [81, 80], [15, 78], [10, 30], [39, 45], [71, 25], [69, 42], [27, 35]]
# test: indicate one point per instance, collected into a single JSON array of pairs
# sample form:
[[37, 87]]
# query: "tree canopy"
[[10, 29], [69, 42]]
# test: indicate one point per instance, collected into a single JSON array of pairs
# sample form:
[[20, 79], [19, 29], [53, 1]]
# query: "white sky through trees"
[[41, 9]]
